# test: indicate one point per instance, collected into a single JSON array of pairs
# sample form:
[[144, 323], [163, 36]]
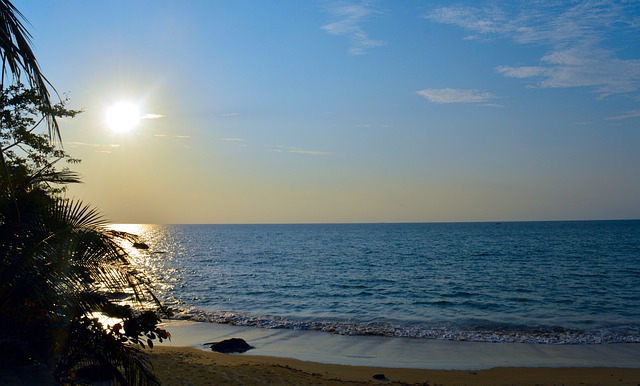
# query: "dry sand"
[[192, 366]]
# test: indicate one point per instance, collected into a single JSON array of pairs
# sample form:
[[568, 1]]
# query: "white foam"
[[540, 335]]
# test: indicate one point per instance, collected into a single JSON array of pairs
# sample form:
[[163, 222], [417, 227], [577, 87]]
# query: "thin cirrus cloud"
[[572, 33], [349, 20], [85, 144], [238, 141], [455, 95], [98, 147], [151, 116], [232, 139], [297, 150], [172, 136], [629, 115]]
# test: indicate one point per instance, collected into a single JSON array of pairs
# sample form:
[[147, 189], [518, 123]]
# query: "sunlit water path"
[[544, 282]]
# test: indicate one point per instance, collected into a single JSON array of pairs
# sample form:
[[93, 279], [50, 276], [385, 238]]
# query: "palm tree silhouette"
[[19, 61], [59, 263]]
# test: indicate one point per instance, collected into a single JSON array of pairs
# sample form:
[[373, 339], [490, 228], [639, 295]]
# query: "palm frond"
[[90, 345], [59, 177], [16, 52], [89, 250], [61, 264], [67, 215]]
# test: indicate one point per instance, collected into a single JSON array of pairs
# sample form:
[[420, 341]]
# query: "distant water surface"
[[543, 282]]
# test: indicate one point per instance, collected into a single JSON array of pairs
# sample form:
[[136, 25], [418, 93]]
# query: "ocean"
[[573, 282]]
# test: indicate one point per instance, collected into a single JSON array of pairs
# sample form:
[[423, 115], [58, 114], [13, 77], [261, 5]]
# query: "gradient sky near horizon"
[[350, 111]]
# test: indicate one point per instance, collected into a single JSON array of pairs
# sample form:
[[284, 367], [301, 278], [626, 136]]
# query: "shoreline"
[[407, 353]]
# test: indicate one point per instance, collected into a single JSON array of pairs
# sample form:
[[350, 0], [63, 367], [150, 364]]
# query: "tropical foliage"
[[19, 61], [60, 266], [62, 270]]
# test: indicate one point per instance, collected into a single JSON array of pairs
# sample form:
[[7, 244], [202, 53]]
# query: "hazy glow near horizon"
[[349, 111]]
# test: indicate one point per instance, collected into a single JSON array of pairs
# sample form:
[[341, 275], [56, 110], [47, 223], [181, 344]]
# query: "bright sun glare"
[[123, 116]]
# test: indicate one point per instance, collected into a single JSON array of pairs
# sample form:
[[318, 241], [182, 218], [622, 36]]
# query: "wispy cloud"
[[521, 72], [172, 136], [152, 116], [82, 144], [581, 67], [550, 21], [297, 150], [573, 33], [482, 21], [349, 20], [241, 142], [455, 95], [309, 152], [629, 115], [232, 139], [98, 147], [229, 114]]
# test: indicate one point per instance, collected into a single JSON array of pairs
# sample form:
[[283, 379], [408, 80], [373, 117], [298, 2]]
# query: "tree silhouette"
[[61, 267]]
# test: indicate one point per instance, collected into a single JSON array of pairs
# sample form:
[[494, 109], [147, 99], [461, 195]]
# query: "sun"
[[123, 116]]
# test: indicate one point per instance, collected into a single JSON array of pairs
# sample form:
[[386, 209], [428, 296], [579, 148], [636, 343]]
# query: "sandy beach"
[[285, 357], [192, 366]]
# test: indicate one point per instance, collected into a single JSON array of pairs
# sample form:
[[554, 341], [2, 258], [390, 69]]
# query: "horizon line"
[[381, 222]]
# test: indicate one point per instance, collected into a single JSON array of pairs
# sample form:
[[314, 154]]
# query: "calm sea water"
[[544, 282]]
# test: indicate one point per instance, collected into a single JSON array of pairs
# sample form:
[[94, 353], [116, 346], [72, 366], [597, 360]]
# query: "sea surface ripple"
[[536, 282]]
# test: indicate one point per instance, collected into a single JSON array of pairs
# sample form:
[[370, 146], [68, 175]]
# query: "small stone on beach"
[[233, 345]]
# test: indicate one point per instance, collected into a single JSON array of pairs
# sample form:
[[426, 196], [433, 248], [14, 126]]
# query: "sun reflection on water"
[[135, 229], [142, 254], [153, 257]]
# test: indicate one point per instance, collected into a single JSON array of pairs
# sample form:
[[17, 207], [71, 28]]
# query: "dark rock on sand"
[[233, 345], [380, 377]]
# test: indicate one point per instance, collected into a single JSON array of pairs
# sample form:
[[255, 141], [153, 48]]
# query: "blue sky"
[[350, 111]]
